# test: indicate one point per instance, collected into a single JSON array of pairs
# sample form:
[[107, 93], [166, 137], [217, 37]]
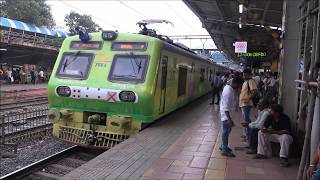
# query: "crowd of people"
[[17, 75], [246, 91]]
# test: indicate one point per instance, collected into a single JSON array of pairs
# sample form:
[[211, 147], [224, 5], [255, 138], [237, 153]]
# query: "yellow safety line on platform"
[[217, 164]]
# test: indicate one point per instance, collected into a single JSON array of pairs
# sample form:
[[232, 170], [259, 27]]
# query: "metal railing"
[[46, 42], [309, 86]]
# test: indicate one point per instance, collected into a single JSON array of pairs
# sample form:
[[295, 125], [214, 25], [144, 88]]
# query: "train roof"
[[168, 43]]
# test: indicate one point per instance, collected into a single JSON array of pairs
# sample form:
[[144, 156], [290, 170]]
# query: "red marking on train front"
[[111, 96]]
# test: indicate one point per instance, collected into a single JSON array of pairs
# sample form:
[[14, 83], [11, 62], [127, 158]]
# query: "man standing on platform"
[[226, 105], [248, 91]]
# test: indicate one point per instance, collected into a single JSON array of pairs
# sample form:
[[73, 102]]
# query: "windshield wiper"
[[125, 76], [65, 65], [138, 64]]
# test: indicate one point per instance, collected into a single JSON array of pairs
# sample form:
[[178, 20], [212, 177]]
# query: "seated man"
[[314, 167], [275, 129], [255, 126]]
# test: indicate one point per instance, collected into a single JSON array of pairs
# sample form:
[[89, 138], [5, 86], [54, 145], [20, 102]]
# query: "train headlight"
[[127, 96], [109, 35], [64, 91]]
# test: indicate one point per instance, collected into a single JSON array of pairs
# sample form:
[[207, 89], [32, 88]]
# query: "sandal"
[[260, 156]]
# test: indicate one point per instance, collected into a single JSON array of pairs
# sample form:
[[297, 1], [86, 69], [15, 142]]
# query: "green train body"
[[103, 91]]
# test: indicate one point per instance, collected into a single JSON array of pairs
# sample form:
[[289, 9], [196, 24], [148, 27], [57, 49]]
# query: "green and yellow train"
[[107, 87]]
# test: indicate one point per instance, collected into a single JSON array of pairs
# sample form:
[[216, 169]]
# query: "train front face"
[[100, 90]]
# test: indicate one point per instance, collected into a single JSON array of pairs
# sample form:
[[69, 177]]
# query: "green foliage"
[[3, 10], [29, 11], [74, 20]]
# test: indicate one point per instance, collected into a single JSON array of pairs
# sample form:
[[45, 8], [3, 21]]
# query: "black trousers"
[[253, 139], [215, 92]]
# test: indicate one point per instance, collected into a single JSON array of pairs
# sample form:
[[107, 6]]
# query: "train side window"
[[182, 80], [75, 65], [129, 68], [202, 74], [211, 75]]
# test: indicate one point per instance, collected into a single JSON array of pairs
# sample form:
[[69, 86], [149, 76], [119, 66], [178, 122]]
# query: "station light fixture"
[[240, 25], [240, 8]]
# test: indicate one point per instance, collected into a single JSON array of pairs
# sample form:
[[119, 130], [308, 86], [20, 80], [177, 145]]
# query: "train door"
[[164, 69]]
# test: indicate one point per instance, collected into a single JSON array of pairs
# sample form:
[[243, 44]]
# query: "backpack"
[[256, 97]]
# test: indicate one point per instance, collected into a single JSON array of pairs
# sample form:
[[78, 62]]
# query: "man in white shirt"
[[41, 75], [256, 125], [227, 105]]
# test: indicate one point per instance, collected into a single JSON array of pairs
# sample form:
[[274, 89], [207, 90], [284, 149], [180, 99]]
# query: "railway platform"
[[22, 87], [12, 93], [182, 145]]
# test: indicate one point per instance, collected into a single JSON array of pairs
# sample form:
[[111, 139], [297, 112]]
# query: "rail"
[[56, 165], [46, 42], [37, 165], [21, 95]]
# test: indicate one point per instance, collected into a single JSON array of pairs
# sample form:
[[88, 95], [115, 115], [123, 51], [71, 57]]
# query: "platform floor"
[[182, 145], [243, 166], [189, 134], [20, 87]]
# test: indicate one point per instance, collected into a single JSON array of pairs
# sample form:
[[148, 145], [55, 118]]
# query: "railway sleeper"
[[43, 175]]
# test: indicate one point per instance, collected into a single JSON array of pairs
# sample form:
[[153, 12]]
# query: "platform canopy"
[[10, 23], [259, 23]]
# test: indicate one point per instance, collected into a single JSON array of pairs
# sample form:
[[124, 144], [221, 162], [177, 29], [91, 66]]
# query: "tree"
[[29, 11], [3, 11], [74, 20]]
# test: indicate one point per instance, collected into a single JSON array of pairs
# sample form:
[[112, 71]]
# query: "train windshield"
[[129, 68], [75, 65]]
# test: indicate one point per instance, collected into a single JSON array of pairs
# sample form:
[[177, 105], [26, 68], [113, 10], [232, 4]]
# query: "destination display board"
[[125, 46], [85, 45], [253, 54]]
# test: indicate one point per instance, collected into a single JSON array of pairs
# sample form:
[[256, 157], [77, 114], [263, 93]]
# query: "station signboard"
[[240, 47]]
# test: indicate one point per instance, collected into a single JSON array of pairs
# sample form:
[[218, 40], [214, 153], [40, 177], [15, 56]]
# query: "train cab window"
[[75, 65], [129, 68]]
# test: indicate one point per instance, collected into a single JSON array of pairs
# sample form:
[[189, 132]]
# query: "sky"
[[122, 15]]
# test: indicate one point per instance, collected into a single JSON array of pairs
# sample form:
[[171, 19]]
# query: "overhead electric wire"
[[136, 11], [179, 16], [117, 27], [140, 13]]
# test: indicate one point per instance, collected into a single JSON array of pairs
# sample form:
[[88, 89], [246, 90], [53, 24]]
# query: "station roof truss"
[[261, 24]]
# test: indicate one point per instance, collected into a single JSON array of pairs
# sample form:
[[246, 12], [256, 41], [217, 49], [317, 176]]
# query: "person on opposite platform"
[[256, 125], [277, 128], [226, 105]]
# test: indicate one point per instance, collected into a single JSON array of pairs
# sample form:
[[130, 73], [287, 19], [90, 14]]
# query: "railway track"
[[55, 166], [7, 106], [21, 125]]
